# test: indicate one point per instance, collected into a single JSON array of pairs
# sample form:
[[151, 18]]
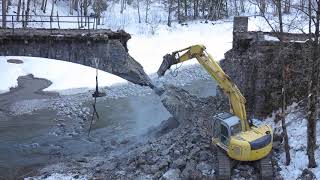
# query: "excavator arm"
[[236, 99]]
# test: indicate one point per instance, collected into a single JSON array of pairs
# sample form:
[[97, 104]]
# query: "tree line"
[[178, 10]]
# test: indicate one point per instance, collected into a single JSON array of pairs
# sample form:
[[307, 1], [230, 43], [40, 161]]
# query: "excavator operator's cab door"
[[224, 134], [220, 130], [225, 125]]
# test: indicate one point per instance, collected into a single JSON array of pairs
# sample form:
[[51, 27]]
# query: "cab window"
[[235, 129], [224, 134]]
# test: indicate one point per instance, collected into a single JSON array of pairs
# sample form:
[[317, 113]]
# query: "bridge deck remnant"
[[77, 46]]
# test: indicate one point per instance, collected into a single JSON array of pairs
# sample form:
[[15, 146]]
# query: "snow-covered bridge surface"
[[78, 46]]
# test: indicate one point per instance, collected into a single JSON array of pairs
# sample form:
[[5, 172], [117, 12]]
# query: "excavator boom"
[[236, 99]]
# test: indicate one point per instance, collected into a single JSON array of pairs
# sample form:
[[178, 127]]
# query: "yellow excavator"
[[233, 136]]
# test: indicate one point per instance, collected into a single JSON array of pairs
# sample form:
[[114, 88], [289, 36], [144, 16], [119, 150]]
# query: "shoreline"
[[29, 87]]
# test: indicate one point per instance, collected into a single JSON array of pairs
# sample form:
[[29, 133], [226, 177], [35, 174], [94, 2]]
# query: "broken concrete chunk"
[[172, 174]]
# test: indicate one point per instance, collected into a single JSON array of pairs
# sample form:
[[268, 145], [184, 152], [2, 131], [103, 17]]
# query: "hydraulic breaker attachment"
[[168, 61]]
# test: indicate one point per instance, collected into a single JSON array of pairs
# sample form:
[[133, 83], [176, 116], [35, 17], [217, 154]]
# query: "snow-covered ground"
[[297, 133], [54, 70]]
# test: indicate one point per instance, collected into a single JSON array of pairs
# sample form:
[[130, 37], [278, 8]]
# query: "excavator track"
[[223, 165], [266, 168]]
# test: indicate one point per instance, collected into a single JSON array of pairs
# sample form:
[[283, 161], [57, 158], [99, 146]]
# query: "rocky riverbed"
[[139, 135], [40, 128]]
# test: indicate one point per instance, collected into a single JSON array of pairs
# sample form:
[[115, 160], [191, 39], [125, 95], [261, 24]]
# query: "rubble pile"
[[180, 148], [182, 153]]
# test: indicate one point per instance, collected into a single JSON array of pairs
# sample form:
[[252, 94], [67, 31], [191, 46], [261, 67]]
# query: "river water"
[[27, 141]]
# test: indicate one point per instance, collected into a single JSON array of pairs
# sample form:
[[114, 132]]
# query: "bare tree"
[[236, 7], [85, 10], [179, 15], [4, 13], [44, 5], [203, 8], [169, 12], [52, 9], [123, 5], [262, 6], [284, 85], [23, 13], [195, 9], [185, 9], [27, 13], [75, 4], [287, 6], [148, 2], [313, 82], [18, 10], [98, 7], [242, 9], [138, 7], [70, 6]]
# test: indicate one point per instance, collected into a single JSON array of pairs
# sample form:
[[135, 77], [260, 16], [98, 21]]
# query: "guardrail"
[[80, 22]]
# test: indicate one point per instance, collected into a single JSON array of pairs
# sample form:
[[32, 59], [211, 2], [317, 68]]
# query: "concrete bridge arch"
[[76, 46]]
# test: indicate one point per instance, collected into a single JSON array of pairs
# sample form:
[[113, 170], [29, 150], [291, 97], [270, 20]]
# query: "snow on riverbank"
[[64, 75], [297, 133]]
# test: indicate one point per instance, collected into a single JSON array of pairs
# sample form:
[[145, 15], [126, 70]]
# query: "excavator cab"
[[225, 125]]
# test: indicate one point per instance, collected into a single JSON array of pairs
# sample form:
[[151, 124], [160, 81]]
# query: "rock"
[[244, 171], [162, 164], [165, 152], [194, 151], [121, 173], [143, 177], [204, 155], [245, 175], [109, 166], [82, 160], [172, 174], [76, 176], [125, 141], [179, 163], [307, 175], [191, 110], [154, 169], [166, 126], [176, 153], [190, 171], [204, 168]]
